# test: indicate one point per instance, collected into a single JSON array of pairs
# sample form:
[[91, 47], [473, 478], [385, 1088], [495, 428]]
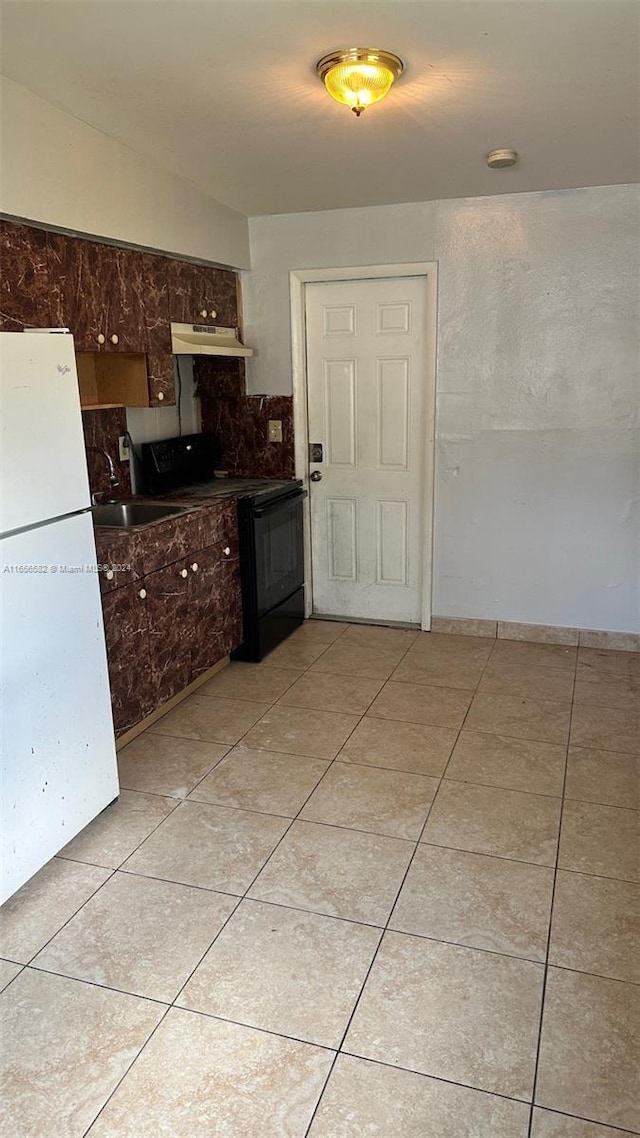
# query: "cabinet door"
[[216, 607], [228, 589], [162, 386], [186, 306], [98, 293], [157, 325], [24, 290], [77, 299], [125, 626], [122, 288], [219, 293], [199, 294], [169, 622]]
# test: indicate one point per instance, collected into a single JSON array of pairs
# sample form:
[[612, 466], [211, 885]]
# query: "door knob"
[[316, 476]]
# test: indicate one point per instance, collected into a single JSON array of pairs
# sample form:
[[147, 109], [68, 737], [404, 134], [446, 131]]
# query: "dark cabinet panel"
[[162, 385], [123, 289], [157, 326], [24, 280], [199, 294], [218, 287], [155, 278], [177, 621], [216, 606], [125, 626], [186, 306], [227, 589], [98, 293], [169, 622]]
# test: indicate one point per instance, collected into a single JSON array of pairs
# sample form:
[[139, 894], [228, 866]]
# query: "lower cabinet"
[[125, 628], [218, 607], [169, 627], [169, 622]]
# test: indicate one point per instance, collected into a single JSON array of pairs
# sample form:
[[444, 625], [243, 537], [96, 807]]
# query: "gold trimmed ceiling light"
[[359, 76]]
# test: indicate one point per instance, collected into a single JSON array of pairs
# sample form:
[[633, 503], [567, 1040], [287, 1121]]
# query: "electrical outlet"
[[123, 448], [275, 430]]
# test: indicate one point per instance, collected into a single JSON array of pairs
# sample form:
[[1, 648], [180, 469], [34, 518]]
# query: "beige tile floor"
[[383, 885]]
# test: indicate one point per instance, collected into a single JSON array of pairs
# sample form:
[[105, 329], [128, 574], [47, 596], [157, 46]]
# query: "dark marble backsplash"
[[102, 429], [242, 420]]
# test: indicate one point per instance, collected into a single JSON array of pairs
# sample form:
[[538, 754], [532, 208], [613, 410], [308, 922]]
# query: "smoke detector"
[[500, 159]]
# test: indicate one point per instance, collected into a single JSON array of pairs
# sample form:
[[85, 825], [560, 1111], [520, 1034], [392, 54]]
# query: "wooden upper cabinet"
[[155, 302], [199, 294], [157, 328], [97, 293], [24, 282]]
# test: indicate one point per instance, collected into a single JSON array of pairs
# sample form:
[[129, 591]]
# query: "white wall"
[[538, 394], [61, 172]]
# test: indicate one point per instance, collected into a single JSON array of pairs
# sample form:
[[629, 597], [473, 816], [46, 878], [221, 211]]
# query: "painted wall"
[[62, 172], [538, 392]]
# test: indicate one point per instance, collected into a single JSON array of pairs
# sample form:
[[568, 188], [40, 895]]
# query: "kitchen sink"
[[130, 514]]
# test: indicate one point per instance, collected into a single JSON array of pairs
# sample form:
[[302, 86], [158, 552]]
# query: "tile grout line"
[[359, 720], [391, 911], [543, 995], [173, 1002], [244, 896]]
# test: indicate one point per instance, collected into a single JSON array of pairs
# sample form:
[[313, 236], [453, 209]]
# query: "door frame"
[[298, 281]]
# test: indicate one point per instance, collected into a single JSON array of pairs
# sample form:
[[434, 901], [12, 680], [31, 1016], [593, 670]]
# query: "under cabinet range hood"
[[206, 340]]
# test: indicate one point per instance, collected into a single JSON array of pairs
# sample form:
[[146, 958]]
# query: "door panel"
[[367, 377], [98, 293], [126, 634], [169, 623]]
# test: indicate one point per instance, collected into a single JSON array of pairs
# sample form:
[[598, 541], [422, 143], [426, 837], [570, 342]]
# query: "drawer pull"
[[203, 312], [109, 574], [226, 550], [194, 567], [100, 338], [160, 396], [183, 572], [114, 339], [142, 594]]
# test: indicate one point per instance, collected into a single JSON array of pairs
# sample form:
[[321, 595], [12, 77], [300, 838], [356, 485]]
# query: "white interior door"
[[367, 402]]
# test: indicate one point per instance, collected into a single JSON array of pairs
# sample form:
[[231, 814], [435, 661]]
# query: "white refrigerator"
[[58, 761]]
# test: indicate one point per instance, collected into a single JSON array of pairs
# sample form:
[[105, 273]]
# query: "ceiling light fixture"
[[359, 76]]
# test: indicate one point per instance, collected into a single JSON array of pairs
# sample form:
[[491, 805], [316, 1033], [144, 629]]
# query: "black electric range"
[[270, 528]]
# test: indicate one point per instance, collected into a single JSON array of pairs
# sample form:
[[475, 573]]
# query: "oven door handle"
[[279, 503]]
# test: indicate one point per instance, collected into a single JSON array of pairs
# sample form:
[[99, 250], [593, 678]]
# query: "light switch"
[[275, 430]]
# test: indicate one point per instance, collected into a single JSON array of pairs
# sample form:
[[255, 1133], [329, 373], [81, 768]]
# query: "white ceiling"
[[225, 93]]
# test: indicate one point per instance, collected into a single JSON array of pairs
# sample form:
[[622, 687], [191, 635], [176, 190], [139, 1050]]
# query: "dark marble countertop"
[[196, 498], [201, 492]]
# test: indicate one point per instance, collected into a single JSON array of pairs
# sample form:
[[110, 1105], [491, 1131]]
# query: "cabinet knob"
[[114, 339], [109, 574], [142, 594], [183, 572], [203, 312], [213, 313], [160, 396], [226, 550], [100, 338], [194, 567]]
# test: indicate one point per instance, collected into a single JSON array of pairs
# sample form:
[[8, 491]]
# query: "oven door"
[[279, 551]]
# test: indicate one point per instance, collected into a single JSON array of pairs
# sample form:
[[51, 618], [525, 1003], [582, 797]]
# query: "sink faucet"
[[113, 477]]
